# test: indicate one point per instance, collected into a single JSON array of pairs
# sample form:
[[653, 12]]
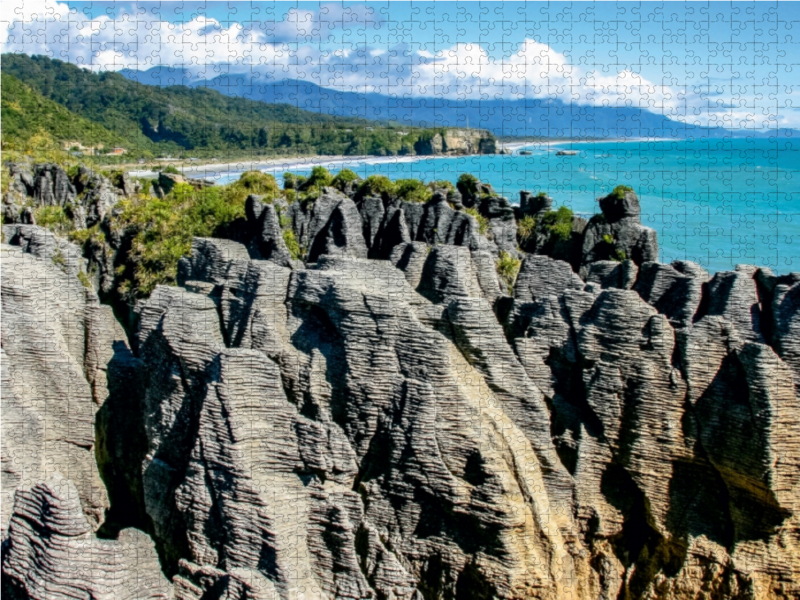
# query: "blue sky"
[[729, 64]]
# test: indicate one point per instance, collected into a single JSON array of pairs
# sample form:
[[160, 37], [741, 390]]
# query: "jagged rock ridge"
[[401, 428]]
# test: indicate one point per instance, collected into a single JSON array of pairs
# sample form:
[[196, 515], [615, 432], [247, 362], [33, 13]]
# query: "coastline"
[[216, 171]]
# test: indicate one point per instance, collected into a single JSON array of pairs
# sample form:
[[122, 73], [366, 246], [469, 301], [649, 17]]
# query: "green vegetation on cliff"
[[26, 112], [163, 228], [149, 120]]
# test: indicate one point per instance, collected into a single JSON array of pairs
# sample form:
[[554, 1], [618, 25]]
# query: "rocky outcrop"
[[265, 235], [57, 340], [458, 142], [165, 183], [336, 428], [51, 185], [52, 552], [617, 233], [538, 235], [351, 428], [86, 197]]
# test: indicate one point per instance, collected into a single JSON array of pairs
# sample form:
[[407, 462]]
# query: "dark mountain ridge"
[[503, 117]]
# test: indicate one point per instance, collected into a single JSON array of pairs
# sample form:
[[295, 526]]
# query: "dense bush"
[[412, 190], [343, 178], [442, 184], [376, 185], [559, 222], [467, 184], [163, 228], [160, 230], [55, 218]]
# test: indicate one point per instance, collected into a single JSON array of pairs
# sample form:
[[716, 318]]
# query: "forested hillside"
[[205, 122], [26, 112]]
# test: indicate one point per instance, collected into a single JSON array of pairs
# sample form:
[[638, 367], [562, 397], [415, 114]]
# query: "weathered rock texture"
[[456, 142], [52, 552], [56, 342], [400, 429]]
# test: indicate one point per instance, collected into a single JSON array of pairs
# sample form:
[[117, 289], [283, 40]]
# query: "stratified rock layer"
[[57, 340], [52, 553], [401, 428], [361, 429]]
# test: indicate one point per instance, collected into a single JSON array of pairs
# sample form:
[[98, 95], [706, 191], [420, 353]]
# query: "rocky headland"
[[454, 398]]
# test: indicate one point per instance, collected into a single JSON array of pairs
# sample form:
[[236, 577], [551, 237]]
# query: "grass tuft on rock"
[[507, 269], [620, 191], [525, 228], [483, 222], [412, 190]]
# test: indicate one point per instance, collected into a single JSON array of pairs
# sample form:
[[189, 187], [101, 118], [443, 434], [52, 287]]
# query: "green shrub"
[[483, 222], [163, 228], [292, 181], [319, 178], [81, 236], [559, 222], [620, 190], [344, 177], [256, 182], [170, 169], [54, 218], [412, 190], [467, 184], [525, 228], [377, 185], [507, 269], [442, 184], [292, 244]]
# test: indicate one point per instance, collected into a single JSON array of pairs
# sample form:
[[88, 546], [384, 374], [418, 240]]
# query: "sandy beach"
[[216, 171], [227, 170]]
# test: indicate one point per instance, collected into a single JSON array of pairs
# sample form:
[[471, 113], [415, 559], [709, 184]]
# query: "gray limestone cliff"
[[383, 421], [457, 142]]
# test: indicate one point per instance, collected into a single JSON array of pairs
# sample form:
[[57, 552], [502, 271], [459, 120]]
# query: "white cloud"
[[310, 45]]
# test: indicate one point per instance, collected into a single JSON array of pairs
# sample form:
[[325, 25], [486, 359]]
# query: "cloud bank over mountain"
[[363, 48]]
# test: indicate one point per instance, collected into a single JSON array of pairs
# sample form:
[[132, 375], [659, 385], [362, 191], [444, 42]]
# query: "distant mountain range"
[[506, 118]]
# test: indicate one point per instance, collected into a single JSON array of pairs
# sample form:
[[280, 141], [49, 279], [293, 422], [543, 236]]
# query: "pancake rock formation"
[[387, 421]]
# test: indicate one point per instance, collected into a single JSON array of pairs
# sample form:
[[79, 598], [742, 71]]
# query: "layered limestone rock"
[[285, 457], [57, 346], [56, 342], [456, 142], [85, 197], [52, 552], [400, 428], [418, 447], [617, 233]]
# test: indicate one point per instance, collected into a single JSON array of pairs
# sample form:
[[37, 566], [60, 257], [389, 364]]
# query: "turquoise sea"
[[715, 202]]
